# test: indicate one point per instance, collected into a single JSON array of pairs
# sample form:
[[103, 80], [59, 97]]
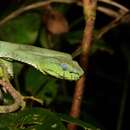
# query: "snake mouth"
[[72, 76], [64, 75]]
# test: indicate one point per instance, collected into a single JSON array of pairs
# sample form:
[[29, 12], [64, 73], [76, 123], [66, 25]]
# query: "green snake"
[[55, 63], [49, 62]]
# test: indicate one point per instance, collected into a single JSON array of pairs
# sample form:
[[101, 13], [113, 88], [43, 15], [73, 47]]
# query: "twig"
[[30, 7], [33, 98], [111, 25], [108, 11], [122, 9], [89, 7], [44, 3], [18, 99], [23, 9], [113, 3]]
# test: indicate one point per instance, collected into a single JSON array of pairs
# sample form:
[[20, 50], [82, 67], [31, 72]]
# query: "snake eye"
[[64, 66]]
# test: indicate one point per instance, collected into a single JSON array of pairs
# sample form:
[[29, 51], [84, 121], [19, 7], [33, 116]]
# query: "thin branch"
[[122, 9], [89, 7], [18, 99], [108, 11], [23, 9], [111, 25], [30, 7], [34, 99], [77, 100], [115, 4], [44, 3]]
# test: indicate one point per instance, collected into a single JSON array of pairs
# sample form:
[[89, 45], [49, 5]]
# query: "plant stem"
[[18, 98], [45, 3], [118, 20], [30, 7], [89, 7]]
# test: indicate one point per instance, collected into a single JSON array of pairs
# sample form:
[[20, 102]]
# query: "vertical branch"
[[89, 7]]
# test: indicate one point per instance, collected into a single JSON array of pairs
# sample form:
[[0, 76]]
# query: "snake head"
[[61, 68]]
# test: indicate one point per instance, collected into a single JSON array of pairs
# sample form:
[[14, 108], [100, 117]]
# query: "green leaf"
[[99, 44], [49, 91], [43, 38], [5, 128], [29, 119], [17, 67], [74, 37], [23, 29], [39, 119], [41, 86], [78, 122]]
